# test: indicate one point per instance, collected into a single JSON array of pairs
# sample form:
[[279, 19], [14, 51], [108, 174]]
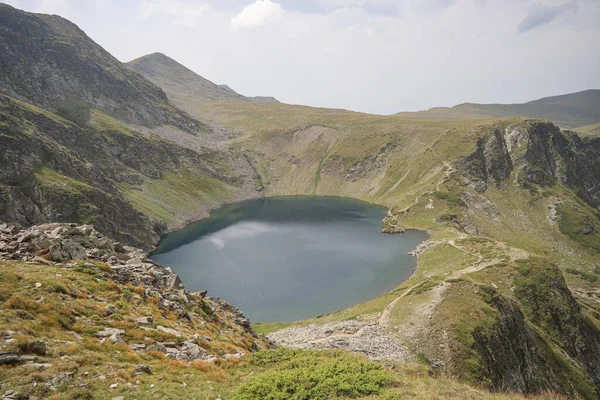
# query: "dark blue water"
[[291, 258]]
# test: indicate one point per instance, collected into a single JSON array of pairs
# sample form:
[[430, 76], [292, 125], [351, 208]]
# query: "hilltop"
[[568, 111], [505, 297], [183, 86]]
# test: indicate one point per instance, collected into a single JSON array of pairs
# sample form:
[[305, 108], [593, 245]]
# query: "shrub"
[[301, 375]]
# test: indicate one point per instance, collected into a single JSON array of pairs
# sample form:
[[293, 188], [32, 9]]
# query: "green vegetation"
[[304, 375], [59, 183], [579, 224], [64, 313]]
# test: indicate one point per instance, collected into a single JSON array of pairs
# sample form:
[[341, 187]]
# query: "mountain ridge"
[[184, 86], [569, 110]]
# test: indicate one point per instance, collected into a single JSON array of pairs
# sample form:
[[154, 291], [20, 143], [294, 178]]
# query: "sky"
[[377, 56]]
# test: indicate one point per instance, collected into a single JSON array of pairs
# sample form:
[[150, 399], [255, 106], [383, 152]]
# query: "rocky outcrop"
[[48, 61], [539, 153], [538, 340], [69, 244]]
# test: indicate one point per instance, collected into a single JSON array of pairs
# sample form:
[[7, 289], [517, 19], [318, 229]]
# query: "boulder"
[[36, 347], [116, 339], [170, 331], [108, 332], [144, 320], [110, 310], [9, 359]]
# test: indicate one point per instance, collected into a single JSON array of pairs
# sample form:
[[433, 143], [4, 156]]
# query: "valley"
[[504, 301]]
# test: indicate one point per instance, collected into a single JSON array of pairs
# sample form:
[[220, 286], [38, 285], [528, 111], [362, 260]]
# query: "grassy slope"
[[589, 130], [74, 300]]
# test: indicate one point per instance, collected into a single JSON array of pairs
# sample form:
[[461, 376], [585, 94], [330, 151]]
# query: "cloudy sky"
[[379, 56]]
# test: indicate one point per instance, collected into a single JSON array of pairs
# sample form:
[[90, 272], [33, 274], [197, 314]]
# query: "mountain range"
[[567, 111], [505, 297]]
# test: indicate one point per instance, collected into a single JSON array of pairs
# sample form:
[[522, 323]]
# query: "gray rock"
[[144, 320], [116, 339], [108, 332], [169, 331], [159, 347], [110, 310], [60, 379], [144, 368], [9, 359], [39, 366], [36, 347]]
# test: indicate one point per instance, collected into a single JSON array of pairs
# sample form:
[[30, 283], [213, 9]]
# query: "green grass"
[[580, 225], [57, 182]]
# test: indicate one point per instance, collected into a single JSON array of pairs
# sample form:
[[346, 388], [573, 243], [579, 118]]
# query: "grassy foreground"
[[65, 307]]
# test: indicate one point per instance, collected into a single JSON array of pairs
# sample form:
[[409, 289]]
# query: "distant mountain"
[[49, 62], [184, 87], [567, 111]]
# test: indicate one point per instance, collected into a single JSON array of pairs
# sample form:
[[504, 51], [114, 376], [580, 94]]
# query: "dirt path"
[[373, 335]]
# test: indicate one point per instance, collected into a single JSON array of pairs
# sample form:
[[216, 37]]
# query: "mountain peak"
[[183, 86]]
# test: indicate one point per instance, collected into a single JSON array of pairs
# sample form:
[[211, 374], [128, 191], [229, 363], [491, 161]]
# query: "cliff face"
[[541, 154], [540, 339], [49, 62], [52, 170]]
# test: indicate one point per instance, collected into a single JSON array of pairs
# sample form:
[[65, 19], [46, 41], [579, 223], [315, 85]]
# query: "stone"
[[38, 366], [181, 356], [60, 379], [76, 335], [170, 331], [193, 350], [9, 359], [110, 310], [108, 332], [144, 368], [161, 348], [144, 320], [114, 386], [116, 339], [119, 398], [28, 358], [36, 347]]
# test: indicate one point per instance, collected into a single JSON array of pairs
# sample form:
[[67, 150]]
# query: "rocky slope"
[[105, 295], [54, 170], [49, 62]]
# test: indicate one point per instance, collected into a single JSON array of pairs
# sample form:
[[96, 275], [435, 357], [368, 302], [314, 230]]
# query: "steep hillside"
[[49, 62], [184, 87], [568, 111], [56, 171], [79, 139]]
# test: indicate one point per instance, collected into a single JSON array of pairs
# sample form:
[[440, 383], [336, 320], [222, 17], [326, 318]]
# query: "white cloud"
[[182, 12], [257, 14], [53, 6]]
